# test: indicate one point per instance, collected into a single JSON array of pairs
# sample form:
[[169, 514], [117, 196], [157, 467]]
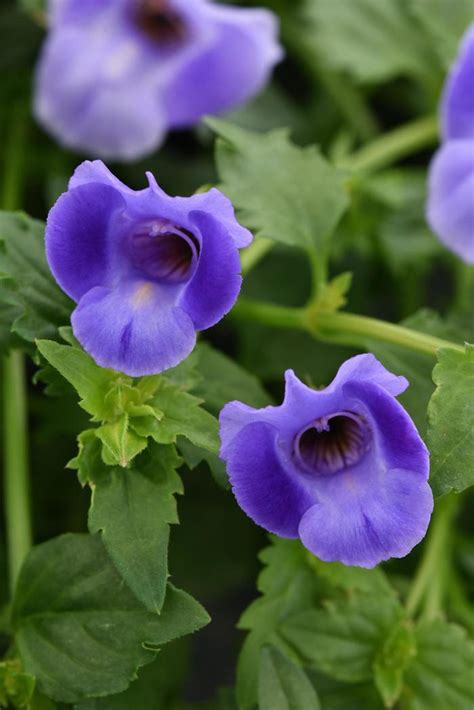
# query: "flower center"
[[160, 22], [332, 443], [164, 252]]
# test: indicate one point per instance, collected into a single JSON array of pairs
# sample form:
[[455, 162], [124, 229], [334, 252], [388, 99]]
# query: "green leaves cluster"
[[129, 412], [332, 634]]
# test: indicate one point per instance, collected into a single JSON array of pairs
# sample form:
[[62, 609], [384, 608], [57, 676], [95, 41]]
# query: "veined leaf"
[[451, 422], [282, 685], [78, 627], [133, 510]]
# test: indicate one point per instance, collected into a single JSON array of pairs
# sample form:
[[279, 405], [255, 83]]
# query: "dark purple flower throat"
[[160, 21], [332, 443], [164, 252]]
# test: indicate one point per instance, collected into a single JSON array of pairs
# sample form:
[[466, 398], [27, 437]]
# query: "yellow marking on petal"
[[142, 295]]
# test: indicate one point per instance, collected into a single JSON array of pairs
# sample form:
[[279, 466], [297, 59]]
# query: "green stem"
[[340, 327], [464, 286], [16, 473], [269, 314], [395, 145], [353, 329], [17, 508], [430, 585]]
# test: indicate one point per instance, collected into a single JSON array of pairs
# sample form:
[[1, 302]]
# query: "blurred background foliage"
[[353, 70]]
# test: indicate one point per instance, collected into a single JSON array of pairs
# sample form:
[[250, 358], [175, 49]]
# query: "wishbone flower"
[[147, 270], [343, 468], [115, 75], [450, 209]]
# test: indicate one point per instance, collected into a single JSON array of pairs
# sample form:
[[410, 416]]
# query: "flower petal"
[[450, 209], [457, 109], [398, 441], [215, 286], [236, 66], [262, 483], [135, 328], [78, 237], [94, 92], [364, 526]]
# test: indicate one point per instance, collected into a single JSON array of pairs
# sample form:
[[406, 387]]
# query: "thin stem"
[[319, 272], [352, 329], [340, 327], [429, 587], [17, 508], [464, 286], [393, 146], [16, 474]]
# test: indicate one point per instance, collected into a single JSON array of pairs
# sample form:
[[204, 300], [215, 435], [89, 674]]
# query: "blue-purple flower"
[[342, 468], [450, 208], [115, 75], [147, 270]]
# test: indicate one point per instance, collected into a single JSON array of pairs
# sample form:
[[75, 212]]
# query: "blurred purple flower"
[[115, 75], [450, 209], [342, 468], [147, 270]]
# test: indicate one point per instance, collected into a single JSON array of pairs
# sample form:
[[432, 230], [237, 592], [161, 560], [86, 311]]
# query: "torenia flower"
[[146, 270], [342, 468], [450, 209], [115, 75]]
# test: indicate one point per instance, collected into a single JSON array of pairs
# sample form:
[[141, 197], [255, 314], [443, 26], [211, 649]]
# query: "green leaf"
[[27, 282], [372, 40], [78, 627], [287, 585], [343, 639], [391, 662], [282, 685], [444, 21], [133, 509], [120, 445], [91, 382], [182, 416], [416, 367], [16, 687], [193, 456], [351, 578], [289, 194], [440, 677], [451, 422], [155, 688], [224, 380]]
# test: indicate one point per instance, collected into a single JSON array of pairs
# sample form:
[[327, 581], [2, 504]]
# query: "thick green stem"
[[15, 429], [17, 507], [352, 329], [390, 147], [269, 314], [430, 585], [340, 327]]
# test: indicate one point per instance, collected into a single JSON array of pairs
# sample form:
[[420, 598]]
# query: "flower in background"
[[450, 210], [147, 270], [116, 75], [342, 468]]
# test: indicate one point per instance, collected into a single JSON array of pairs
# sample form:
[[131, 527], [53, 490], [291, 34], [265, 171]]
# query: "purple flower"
[[115, 75], [146, 270], [342, 468], [450, 209]]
